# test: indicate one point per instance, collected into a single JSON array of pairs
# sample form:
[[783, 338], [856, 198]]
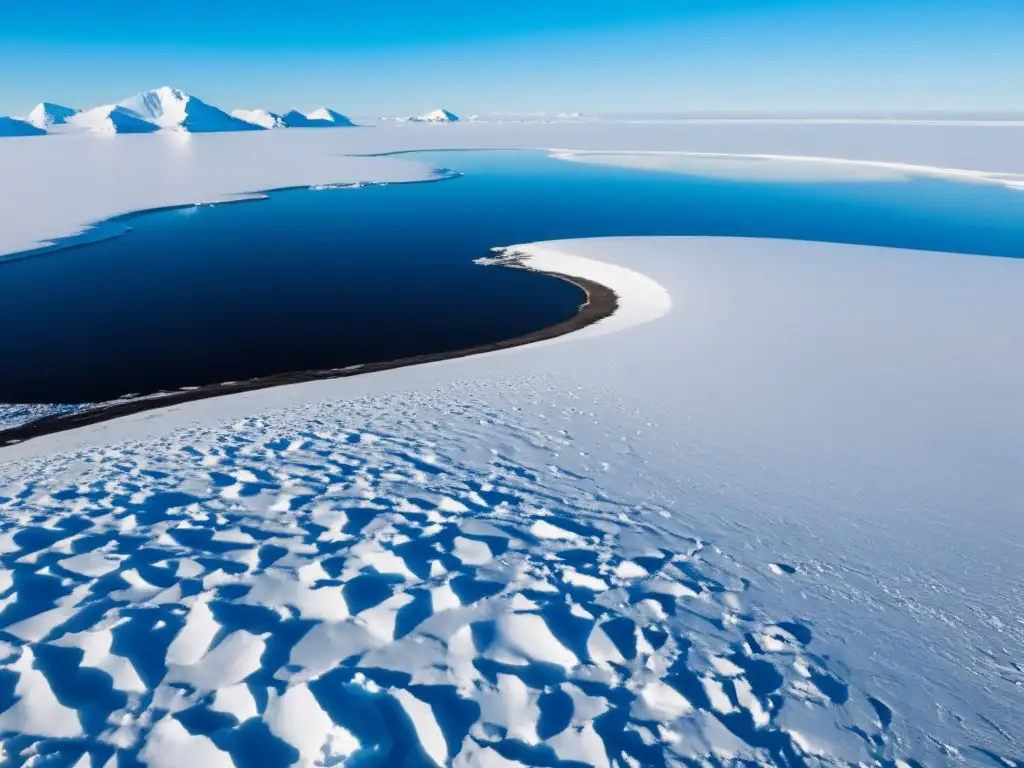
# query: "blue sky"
[[407, 56]]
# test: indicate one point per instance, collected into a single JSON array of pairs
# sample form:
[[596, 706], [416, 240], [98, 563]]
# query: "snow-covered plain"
[[103, 175], [784, 167], [771, 513]]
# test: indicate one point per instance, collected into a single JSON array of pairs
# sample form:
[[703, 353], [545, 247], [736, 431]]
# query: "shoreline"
[[600, 302], [1013, 181], [82, 239]]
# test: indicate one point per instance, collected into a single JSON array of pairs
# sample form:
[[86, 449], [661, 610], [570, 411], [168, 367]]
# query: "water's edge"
[[116, 226], [599, 303]]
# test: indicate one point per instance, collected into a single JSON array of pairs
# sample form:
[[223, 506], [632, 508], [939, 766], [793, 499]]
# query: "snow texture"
[[260, 117], [138, 172], [697, 647], [795, 468], [437, 116], [325, 115], [111, 118], [46, 115], [318, 118], [782, 167]]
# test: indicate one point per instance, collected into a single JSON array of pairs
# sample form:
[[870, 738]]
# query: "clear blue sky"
[[406, 56]]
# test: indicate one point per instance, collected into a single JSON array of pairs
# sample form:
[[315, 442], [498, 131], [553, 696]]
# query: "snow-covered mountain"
[[325, 115], [318, 118], [47, 114], [437, 116], [111, 118], [12, 126], [295, 119], [261, 117], [170, 108]]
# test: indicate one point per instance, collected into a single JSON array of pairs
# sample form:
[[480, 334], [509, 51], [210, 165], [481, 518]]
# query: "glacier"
[[767, 512]]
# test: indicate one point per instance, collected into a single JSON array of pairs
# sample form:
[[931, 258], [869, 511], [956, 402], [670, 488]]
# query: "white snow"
[[39, 625], [235, 700], [511, 705], [791, 168], [195, 637], [96, 646], [424, 722], [277, 589], [261, 117], [36, 711], [855, 410], [169, 745], [580, 744], [627, 569], [527, 636], [640, 299], [111, 118], [542, 529], [296, 718], [586, 581], [231, 661], [437, 116], [472, 551], [95, 563], [660, 701], [325, 115], [170, 108], [46, 115], [139, 172]]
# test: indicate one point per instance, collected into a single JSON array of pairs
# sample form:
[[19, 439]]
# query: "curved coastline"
[[600, 303], [90, 235], [1010, 180]]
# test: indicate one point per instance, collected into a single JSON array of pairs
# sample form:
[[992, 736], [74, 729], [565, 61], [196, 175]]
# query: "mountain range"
[[437, 116], [169, 109]]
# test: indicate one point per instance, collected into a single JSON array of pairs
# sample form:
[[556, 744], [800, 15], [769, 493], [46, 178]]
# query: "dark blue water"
[[318, 279]]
